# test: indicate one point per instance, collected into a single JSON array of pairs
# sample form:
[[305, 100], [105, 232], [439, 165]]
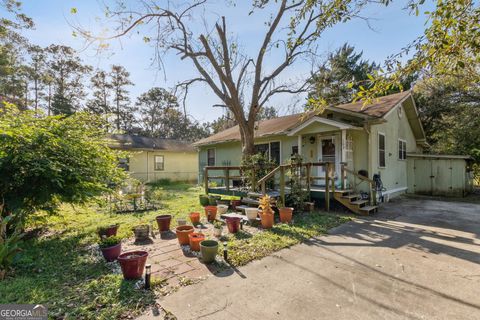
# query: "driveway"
[[416, 259]]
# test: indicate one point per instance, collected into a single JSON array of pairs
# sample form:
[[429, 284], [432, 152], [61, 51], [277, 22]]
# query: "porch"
[[232, 180]]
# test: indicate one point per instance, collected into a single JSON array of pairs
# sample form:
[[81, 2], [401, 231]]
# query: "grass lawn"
[[61, 267]]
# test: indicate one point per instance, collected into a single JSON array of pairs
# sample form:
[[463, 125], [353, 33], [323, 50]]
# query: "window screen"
[[159, 163], [381, 150]]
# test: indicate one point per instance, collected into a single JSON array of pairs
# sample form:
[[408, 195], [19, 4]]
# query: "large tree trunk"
[[247, 135]]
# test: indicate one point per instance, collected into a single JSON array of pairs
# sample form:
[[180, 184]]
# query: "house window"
[[381, 150], [124, 163], [294, 150], [210, 157], [402, 149], [271, 150], [159, 163]]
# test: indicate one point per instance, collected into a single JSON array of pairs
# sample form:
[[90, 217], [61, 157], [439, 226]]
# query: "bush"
[[48, 160]]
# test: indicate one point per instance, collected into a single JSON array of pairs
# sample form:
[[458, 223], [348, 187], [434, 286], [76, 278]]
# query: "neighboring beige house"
[[152, 159]]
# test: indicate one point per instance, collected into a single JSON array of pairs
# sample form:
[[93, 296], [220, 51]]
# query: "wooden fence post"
[[342, 175], [327, 191], [282, 184], [205, 178]]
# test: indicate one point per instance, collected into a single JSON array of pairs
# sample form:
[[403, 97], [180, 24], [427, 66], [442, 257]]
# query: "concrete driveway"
[[416, 259]]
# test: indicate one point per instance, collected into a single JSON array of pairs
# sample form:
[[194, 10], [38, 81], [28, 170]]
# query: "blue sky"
[[394, 28]]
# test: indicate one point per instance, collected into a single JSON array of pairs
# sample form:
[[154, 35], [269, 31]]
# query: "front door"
[[328, 151]]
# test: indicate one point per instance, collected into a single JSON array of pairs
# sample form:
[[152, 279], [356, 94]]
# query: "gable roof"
[[134, 142], [378, 108], [283, 125]]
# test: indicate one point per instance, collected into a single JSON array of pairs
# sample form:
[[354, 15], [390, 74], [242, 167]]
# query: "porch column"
[[300, 145], [344, 145]]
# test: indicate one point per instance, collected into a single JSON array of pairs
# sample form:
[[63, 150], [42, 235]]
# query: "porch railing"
[[329, 178]]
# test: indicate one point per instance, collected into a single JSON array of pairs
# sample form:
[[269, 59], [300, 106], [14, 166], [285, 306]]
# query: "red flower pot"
[[195, 239], [163, 222], [211, 213], [109, 231], [233, 224], [182, 234], [132, 264], [195, 217], [286, 214], [111, 253], [235, 204]]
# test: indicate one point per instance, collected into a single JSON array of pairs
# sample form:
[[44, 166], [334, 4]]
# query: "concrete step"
[[368, 209]]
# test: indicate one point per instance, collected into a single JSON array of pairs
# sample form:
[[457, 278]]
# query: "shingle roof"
[[283, 124], [131, 142], [377, 109]]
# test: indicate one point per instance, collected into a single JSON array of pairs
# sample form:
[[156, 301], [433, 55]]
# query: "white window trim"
[[384, 150], [214, 157], [270, 147], [155, 162], [398, 150]]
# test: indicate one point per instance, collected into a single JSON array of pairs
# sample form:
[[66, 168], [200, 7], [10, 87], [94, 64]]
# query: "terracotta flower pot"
[[163, 222], [109, 231], [132, 264], [203, 200], [235, 204], [194, 240], [211, 213], [252, 213], [233, 224], [141, 232], [209, 249], [222, 209], [267, 220], [182, 234], [111, 253], [286, 214], [195, 217]]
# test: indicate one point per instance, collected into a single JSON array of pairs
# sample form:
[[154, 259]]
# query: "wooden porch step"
[[359, 202], [352, 196], [368, 209], [250, 201], [344, 191]]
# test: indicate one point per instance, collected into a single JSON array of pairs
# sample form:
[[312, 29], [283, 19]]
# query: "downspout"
[[147, 167]]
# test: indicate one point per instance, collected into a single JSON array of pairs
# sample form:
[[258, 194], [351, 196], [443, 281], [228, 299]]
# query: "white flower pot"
[[251, 213], [222, 209], [181, 222]]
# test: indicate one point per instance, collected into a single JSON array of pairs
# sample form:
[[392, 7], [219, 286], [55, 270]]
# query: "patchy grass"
[[63, 268], [244, 247]]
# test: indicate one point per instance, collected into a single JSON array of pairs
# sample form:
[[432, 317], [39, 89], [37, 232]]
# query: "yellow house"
[[152, 159]]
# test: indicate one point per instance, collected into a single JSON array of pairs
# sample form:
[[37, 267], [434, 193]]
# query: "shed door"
[[422, 173]]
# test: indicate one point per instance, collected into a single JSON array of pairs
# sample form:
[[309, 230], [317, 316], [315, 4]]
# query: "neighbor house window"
[[271, 150], [402, 149], [210, 157], [381, 150], [159, 163]]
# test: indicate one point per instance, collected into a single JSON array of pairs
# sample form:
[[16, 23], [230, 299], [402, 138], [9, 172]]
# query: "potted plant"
[[212, 200], [182, 234], [132, 264], [111, 247], [223, 202], [203, 200], [107, 231], [194, 239], [181, 221], [235, 204], [163, 222], [233, 224], [266, 215], [218, 228], [252, 213], [208, 249], [195, 217], [211, 213], [141, 232]]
